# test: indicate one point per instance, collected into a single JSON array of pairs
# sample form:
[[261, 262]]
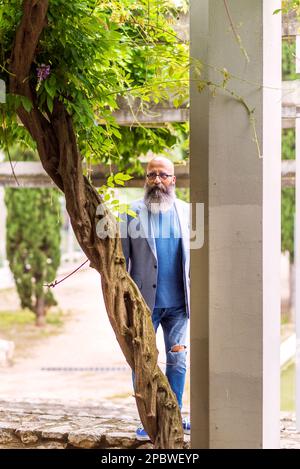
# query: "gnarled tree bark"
[[128, 313]]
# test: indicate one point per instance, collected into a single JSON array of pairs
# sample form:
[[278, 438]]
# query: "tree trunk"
[[127, 311], [40, 311]]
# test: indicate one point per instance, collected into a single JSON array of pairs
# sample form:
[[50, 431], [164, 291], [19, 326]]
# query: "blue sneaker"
[[141, 434], [186, 425]]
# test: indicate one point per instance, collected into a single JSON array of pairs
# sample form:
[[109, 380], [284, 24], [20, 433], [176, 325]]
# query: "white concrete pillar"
[[235, 277], [199, 180], [297, 272]]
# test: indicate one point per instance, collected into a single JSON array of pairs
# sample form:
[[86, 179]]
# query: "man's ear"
[[174, 179]]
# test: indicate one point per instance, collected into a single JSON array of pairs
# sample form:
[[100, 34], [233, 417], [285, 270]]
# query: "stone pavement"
[[289, 437], [42, 425], [54, 425]]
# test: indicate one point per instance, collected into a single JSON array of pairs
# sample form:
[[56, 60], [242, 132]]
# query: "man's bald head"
[[160, 163]]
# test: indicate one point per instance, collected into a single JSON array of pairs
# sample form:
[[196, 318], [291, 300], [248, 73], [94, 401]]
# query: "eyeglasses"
[[163, 176]]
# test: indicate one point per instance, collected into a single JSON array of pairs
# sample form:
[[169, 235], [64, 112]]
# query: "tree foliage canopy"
[[90, 53]]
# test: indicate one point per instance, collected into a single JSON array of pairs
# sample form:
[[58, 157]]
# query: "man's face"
[[160, 185], [160, 174]]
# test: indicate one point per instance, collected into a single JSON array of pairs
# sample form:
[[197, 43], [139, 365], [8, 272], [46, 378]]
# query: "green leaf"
[[277, 11], [110, 182], [123, 177], [50, 89], [123, 208], [119, 182], [116, 132], [132, 213], [27, 104], [50, 103], [52, 80]]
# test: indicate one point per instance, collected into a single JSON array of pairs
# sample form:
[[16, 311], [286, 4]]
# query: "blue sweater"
[[166, 231]]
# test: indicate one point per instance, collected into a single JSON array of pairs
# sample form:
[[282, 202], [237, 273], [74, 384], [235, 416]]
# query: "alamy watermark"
[[189, 226]]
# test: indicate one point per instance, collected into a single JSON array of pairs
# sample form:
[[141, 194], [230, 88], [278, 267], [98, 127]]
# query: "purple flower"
[[43, 72]]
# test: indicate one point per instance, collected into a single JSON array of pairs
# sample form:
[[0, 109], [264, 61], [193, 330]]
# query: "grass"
[[288, 387], [19, 327], [25, 317], [287, 325], [10, 319], [123, 395]]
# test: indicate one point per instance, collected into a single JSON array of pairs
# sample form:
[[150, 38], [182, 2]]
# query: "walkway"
[[82, 364]]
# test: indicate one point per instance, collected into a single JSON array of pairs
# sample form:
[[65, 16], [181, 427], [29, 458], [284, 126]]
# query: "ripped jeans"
[[174, 322]]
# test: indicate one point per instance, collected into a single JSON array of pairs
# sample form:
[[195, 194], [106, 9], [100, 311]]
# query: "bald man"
[[156, 248]]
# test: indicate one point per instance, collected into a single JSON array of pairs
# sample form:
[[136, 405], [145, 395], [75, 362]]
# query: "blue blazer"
[[140, 251]]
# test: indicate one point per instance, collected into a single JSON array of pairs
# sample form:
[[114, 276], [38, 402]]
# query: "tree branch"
[[28, 33]]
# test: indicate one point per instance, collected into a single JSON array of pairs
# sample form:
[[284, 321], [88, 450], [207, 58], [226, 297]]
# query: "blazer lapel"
[[184, 227], [146, 227]]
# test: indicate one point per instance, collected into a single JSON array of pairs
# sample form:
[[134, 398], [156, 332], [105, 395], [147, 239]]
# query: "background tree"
[[288, 197], [65, 64], [33, 242], [288, 193], [288, 153]]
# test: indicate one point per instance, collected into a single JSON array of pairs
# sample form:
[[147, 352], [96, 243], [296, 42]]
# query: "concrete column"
[[297, 272], [235, 287], [199, 180]]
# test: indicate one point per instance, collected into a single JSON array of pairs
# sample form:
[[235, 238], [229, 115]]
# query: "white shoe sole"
[[142, 438]]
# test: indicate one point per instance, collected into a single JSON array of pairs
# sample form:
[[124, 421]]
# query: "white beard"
[[159, 200]]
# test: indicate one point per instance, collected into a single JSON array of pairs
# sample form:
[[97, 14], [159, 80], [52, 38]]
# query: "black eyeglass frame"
[[161, 175]]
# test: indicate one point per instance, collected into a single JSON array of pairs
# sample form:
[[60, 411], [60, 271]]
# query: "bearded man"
[[156, 249]]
